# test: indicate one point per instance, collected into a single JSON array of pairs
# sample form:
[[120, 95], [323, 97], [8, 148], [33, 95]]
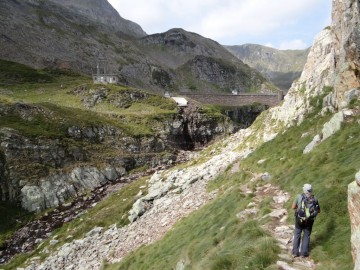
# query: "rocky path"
[[114, 243], [277, 226]]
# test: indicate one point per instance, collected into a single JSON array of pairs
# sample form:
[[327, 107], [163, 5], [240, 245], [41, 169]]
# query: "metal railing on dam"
[[236, 100]]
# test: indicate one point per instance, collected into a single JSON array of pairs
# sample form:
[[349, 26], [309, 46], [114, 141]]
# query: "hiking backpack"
[[307, 210]]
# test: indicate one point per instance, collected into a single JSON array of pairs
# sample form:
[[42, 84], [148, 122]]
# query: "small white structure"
[[101, 75], [180, 101], [105, 78]]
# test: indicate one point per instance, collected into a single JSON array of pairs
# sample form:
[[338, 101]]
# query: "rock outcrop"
[[54, 190], [179, 180], [346, 45], [330, 78], [354, 212]]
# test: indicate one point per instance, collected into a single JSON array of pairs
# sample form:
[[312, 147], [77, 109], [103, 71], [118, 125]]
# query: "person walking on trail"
[[306, 209]]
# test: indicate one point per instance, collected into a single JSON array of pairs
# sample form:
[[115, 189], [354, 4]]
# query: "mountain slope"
[[195, 63], [282, 67], [60, 34], [102, 12], [77, 34]]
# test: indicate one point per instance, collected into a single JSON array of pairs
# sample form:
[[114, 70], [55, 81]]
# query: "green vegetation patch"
[[11, 72], [49, 120]]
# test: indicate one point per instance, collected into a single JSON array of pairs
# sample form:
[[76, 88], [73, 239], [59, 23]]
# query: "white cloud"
[[295, 44]]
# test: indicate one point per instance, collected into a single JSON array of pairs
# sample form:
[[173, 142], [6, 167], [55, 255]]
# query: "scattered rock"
[[266, 177]]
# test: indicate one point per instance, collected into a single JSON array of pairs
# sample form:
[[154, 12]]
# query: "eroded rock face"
[[354, 212], [180, 180], [346, 44], [332, 68], [56, 189], [318, 72]]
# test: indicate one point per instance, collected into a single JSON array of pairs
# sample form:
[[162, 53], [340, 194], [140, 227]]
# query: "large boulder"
[[354, 212]]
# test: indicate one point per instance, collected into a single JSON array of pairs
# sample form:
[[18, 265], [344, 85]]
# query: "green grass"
[[52, 117], [64, 106], [11, 72], [211, 238], [50, 120]]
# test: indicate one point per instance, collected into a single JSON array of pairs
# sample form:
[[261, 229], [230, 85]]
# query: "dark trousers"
[[305, 241]]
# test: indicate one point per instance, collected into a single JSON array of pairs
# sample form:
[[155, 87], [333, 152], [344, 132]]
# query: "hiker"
[[306, 208]]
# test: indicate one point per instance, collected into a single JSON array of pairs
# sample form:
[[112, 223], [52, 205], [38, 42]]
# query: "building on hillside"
[[105, 78], [101, 75]]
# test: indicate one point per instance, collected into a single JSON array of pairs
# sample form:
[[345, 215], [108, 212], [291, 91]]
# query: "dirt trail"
[[278, 225]]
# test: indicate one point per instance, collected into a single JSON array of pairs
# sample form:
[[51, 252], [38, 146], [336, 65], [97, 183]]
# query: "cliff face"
[[354, 212], [331, 72], [346, 45]]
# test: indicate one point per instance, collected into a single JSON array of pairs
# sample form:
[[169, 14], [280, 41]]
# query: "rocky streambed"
[[38, 230]]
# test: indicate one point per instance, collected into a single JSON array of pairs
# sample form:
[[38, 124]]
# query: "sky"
[[281, 24]]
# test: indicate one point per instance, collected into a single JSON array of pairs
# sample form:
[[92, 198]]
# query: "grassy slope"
[[212, 238], [51, 92]]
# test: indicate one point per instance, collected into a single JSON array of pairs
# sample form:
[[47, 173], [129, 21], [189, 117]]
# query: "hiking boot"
[[295, 255]]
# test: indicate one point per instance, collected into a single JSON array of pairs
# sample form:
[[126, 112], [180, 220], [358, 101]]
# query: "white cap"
[[307, 188]]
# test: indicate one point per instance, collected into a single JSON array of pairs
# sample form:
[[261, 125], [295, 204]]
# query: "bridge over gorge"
[[237, 100]]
